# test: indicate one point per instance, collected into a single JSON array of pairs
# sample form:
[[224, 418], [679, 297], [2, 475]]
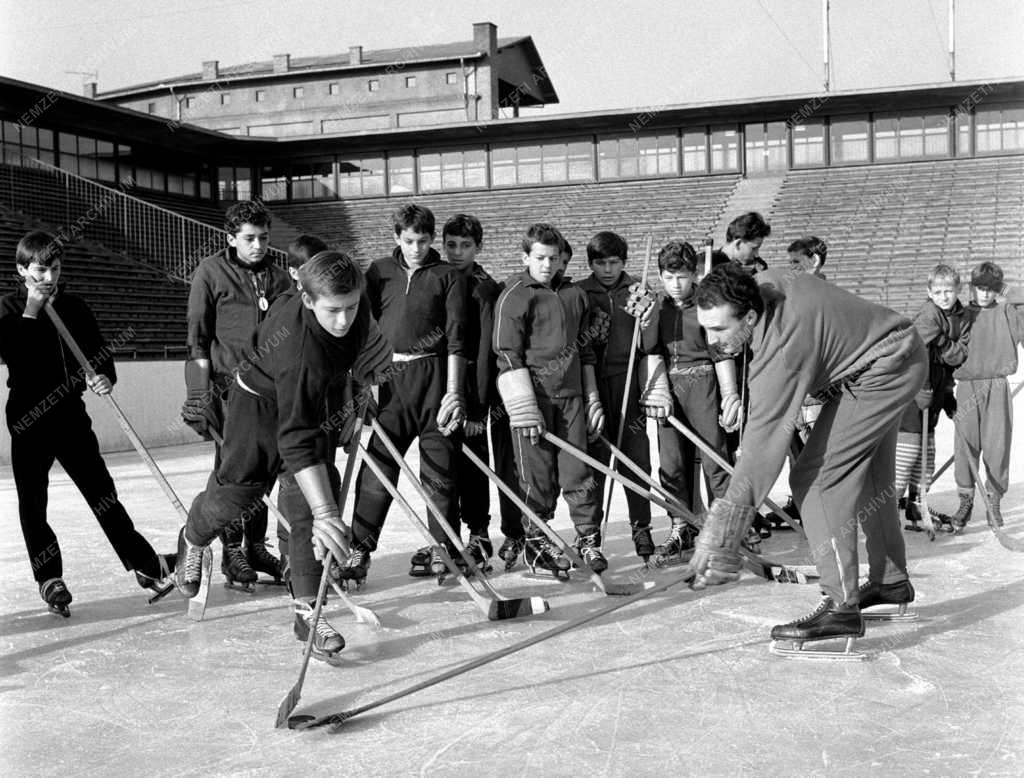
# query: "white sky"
[[600, 54]]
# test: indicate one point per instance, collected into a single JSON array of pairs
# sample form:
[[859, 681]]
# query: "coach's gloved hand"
[[201, 410], [330, 533], [592, 403], [524, 416], [600, 326], [655, 392], [923, 398], [452, 411], [716, 558], [732, 412], [640, 304], [473, 428]]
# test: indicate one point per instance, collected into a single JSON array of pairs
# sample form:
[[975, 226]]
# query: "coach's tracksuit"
[[984, 418], [276, 418], [678, 338], [611, 362], [422, 314], [866, 362], [224, 312], [543, 328], [48, 421]]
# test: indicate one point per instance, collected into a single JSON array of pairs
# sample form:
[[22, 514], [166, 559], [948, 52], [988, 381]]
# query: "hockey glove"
[[452, 411], [640, 304], [716, 558], [655, 392], [474, 428], [592, 401], [201, 410], [330, 533], [524, 416]]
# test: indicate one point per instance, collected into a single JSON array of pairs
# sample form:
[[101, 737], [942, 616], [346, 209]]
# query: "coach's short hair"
[[547, 235], [730, 285], [607, 244], [330, 273], [747, 226], [246, 212], [414, 217], [677, 256], [38, 247], [809, 245]]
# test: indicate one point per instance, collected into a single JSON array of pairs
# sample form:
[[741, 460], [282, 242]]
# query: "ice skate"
[[762, 526], [188, 567], [235, 567], [439, 568], [900, 594], [510, 551], [912, 513], [327, 641], [56, 596], [590, 550], [678, 546], [157, 575], [778, 522], [355, 569], [419, 563], [827, 622], [539, 552], [752, 541], [995, 514], [963, 512], [643, 543], [481, 550], [262, 561]]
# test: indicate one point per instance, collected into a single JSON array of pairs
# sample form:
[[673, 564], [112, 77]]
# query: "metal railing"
[[79, 208]]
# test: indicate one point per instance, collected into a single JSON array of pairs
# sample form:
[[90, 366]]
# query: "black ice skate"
[[157, 576], [539, 552], [56, 595], [678, 546], [192, 573], [590, 550], [481, 550], [419, 563], [900, 594], [262, 561], [963, 512], [355, 569], [327, 641], [235, 566], [643, 543], [778, 522], [827, 622], [510, 551], [439, 566]]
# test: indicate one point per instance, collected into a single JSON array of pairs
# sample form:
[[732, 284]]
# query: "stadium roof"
[[370, 60]]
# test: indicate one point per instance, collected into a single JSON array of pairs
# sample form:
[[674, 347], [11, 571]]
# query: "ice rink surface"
[[679, 684]]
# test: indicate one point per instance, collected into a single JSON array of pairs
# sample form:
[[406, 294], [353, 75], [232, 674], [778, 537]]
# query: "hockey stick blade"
[[160, 594], [334, 720], [197, 604]]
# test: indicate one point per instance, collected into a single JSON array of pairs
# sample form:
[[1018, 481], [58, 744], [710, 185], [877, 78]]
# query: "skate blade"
[[334, 660], [160, 593], [197, 604], [792, 575], [270, 581], [499, 610], [60, 610], [563, 576], [797, 651], [248, 588]]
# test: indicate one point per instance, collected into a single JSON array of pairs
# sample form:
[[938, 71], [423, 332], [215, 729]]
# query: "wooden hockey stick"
[[494, 608], [709, 452], [926, 516], [335, 720], [196, 605], [605, 587], [630, 365]]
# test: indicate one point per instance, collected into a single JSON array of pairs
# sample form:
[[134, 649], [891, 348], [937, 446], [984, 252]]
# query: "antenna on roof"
[[952, 40], [825, 43]]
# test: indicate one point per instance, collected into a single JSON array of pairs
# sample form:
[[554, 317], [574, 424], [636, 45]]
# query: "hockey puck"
[[294, 722]]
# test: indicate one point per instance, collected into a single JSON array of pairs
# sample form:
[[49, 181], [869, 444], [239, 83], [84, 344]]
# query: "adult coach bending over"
[[866, 363]]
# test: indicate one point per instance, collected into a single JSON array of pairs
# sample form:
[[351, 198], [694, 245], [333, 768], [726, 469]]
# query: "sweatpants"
[[845, 475], [408, 409], [984, 428], [255, 529], [505, 466], [543, 468], [695, 402], [635, 444], [64, 434]]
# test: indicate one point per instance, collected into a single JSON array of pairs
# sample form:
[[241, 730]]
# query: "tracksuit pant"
[[984, 428]]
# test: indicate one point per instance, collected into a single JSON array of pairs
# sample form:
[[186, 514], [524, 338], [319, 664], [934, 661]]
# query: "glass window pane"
[[45, 139], [885, 138], [608, 158], [430, 172], [808, 144], [555, 163], [911, 136], [963, 133], [243, 183], [28, 138], [400, 174], [936, 135], [848, 138], [724, 150], [528, 164], [1013, 129], [373, 176], [694, 152], [226, 183], [451, 170], [629, 157], [475, 167], [503, 166], [581, 161], [68, 144]]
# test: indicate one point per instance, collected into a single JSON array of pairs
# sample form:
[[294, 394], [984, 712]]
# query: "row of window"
[[299, 92]]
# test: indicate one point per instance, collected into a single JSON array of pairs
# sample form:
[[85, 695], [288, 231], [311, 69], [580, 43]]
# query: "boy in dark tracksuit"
[[305, 352], [608, 291], [546, 380], [230, 295], [941, 322], [420, 304], [682, 378], [984, 416], [47, 419]]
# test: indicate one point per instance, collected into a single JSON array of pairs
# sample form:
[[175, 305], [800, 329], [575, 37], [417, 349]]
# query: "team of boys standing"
[[280, 371]]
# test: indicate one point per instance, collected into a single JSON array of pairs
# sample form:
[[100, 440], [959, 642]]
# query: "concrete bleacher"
[[205, 211], [887, 225], [139, 309], [684, 208]]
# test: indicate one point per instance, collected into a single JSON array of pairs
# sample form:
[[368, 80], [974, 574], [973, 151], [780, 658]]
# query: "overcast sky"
[[599, 54]]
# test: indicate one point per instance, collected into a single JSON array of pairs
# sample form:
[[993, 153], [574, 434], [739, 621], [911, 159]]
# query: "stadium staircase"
[[756, 193]]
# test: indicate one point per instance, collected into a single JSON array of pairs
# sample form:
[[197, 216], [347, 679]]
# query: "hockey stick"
[[494, 609], [756, 563], [926, 516], [948, 462], [196, 608], [442, 520], [335, 720], [605, 587], [709, 452], [627, 389], [645, 477]]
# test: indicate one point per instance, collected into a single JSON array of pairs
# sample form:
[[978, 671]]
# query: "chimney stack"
[[211, 70], [282, 63], [89, 89], [355, 55], [485, 38]]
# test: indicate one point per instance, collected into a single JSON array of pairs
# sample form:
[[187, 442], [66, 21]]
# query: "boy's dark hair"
[[246, 212], [565, 248], [809, 245], [40, 247], [607, 244], [988, 275], [747, 226], [304, 248], [547, 235], [677, 256], [463, 225], [414, 217], [330, 273], [730, 285]]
